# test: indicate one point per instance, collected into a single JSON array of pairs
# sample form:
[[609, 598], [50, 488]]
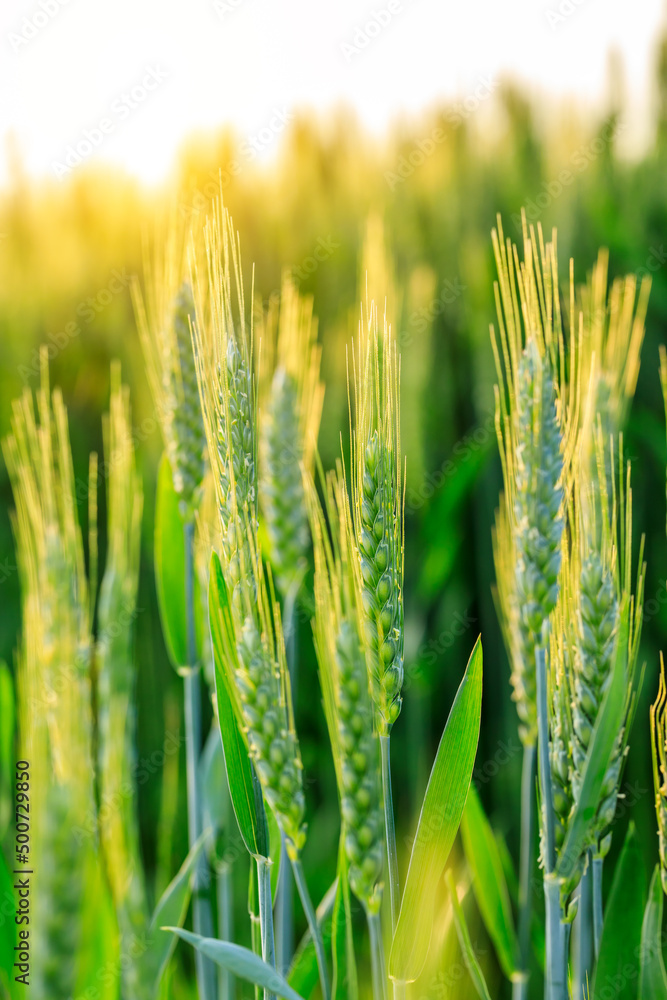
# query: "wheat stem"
[[201, 909], [255, 927], [583, 942], [224, 893], [285, 892], [528, 776], [390, 830], [598, 916], [313, 926], [555, 987], [377, 956], [266, 916], [555, 984]]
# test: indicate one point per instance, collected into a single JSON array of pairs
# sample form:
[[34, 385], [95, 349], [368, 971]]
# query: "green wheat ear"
[[378, 510], [119, 826], [228, 393], [54, 681], [345, 681], [291, 405], [256, 650], [164, 321], [536, 423], [603, 536]]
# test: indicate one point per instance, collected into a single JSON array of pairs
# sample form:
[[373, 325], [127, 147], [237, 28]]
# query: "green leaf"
[[603, 742], [617, 970], [170, 566], [8, 716], [303, 974], [652, 974], [98, 945], [438, 824], [240, 961], [489, 885], [469, 957], [243, 785], [171, 909]]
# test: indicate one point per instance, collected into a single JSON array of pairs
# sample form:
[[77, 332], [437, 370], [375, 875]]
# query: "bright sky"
[[68, 65]]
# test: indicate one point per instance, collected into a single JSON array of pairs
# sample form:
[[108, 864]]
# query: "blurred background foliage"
[[433, 187]]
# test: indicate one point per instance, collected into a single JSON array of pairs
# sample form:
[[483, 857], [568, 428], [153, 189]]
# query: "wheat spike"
[[227, 389], [54, 677], [345, 681], [291, 396], [378, 510], [164, 321]]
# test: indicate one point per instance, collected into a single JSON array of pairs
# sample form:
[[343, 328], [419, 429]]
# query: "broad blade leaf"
[[246, 801], [617, 971], [652, 974], [603, 742], [489, 885], [98, 945], [240, 961], [439, 820], [469, 957], [171, 909]]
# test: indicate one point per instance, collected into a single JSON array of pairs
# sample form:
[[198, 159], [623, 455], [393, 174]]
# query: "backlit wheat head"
[[377, 507], [54, 675], [254, 641], [119, 823], [164, 319], [290, 410], [228, 391], [344, 676], [536, 442]]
